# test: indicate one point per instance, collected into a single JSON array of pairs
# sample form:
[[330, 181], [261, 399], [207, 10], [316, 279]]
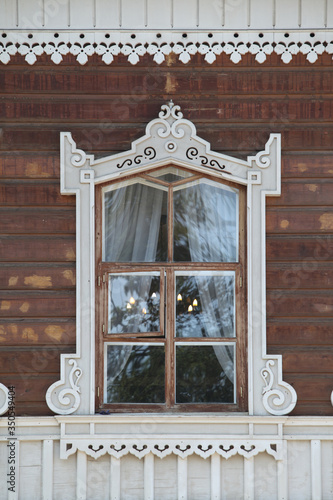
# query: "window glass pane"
[[135, 224], [205, 304], [134, 303], [205, 222], [205, 374], [171, 174], [135, 373]]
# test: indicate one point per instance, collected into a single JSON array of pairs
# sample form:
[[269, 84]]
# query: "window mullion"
[[170, 224], [169, 340]]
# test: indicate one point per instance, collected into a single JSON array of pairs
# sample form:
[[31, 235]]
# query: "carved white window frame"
[[170, 139]]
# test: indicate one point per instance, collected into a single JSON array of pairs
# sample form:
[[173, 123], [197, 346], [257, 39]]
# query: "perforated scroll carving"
[[63, 397], [279, 398]]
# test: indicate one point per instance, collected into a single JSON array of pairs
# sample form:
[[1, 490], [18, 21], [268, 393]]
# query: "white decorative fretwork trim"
[[159, 44], [96, 447]]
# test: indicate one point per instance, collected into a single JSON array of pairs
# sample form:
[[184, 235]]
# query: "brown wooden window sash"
[[166, 334]]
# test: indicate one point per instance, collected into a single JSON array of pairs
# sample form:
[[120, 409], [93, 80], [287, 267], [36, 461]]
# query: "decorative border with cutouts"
[[160, 44]]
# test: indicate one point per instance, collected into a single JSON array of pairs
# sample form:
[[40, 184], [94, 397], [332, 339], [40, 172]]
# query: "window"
[[170, 297], [163, 225]]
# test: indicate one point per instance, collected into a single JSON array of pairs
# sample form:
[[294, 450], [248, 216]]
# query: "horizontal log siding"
[[105, 108]]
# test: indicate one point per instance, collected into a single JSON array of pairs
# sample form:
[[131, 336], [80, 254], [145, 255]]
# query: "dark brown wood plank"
[[300, 165], [27, 165], [305, 248], [37, 304], [30, 409], [313, 408], [314, 389], [316, 192], [314, 360], [32, 193], [298, 332], [299, 220], [149, 78], [37, 220], [304, 274], [299, 303], [223, 136], [34, 332], [101, 109], [27, 362], [30, 388], [38, 277], [37, 248]]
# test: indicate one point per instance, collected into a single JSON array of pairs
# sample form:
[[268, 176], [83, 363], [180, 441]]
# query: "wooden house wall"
[[235, 107]]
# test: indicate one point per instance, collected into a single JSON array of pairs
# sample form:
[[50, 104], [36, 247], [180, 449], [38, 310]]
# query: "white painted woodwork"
[[249, 479], [215, 477], [265, 477], [327, 469], [232, 475], [47, 471], [287, 14], [98, 478], [82, 14], [198, 478], [236, 14], [282, 474], [81, 476], [159, 43], [313, 14], [303, 471], [132, 478], [64, 474], [316, 470], [163, 17], [182, 14], [166, 484], [299, 462], [148, 477], [182, 479], [114, 478], [108, 13]]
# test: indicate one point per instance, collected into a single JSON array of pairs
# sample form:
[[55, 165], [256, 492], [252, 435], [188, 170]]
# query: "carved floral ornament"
[[158, 45]]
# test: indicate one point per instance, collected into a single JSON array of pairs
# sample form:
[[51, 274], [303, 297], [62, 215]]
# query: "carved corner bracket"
[[64, 397], [278, 397]]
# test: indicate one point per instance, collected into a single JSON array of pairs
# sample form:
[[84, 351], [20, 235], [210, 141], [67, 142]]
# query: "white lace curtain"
[[212, 225]]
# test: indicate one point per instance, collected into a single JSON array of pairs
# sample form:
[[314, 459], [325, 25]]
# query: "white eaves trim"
[[159, 44]]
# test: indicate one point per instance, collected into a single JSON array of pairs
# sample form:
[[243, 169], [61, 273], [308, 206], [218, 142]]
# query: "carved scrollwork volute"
[[63, 397], [278, 397], [3, 399]]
